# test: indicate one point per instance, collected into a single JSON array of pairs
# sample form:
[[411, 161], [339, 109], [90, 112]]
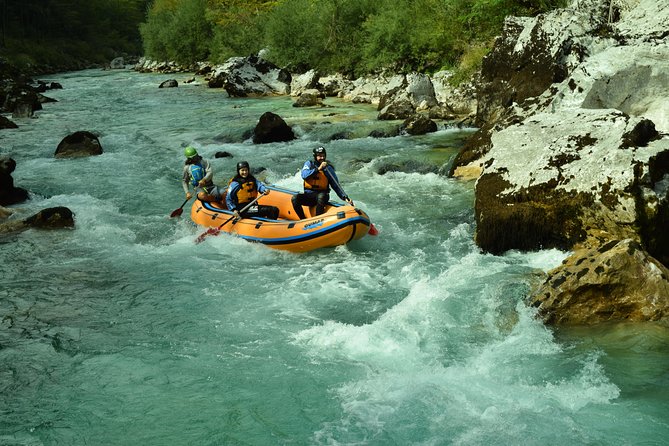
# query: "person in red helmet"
[[319, 176]]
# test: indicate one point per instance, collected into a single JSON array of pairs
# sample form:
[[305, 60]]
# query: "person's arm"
[[231, 196], [208, 172], [261, 187], [308, 169], [334, 183], [186, 182]]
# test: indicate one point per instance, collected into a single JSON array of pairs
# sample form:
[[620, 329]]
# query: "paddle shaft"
[[216, 231], [244, 209], [331, 177], [372, 228]]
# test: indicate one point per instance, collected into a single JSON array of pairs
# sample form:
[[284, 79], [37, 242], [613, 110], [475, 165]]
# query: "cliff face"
[[573, 147]]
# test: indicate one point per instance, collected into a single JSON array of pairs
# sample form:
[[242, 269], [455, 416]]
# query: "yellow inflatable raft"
[[339, 224]]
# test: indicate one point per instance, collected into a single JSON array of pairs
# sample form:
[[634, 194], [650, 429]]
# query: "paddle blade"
[[210, 231], [177, 212], [373, 230]]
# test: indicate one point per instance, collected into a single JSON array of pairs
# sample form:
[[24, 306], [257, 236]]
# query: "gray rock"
[[610, 281], [78, 144]]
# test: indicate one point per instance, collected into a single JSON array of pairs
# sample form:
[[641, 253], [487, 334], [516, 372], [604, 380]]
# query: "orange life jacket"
[[318, 182]]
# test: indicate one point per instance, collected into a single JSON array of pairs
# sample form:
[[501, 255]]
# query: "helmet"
[[190, 152], [242, 164], [319, 150]]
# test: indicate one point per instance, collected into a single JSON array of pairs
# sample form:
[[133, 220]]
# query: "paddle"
[[216, 231], [372, 228], [177, 212]]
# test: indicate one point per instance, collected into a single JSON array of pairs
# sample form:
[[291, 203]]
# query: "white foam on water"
[[495, 381]]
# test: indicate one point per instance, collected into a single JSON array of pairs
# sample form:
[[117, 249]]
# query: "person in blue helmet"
[[199, 174], [243, 189], [319, 176]]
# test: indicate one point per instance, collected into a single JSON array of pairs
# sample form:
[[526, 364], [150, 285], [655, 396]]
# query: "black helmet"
[[242, 164], [319, 150]]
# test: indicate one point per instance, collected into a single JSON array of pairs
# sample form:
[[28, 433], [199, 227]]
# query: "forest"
[[348, 36], [64, 34]]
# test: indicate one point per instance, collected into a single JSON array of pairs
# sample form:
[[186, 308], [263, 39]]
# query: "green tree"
[[62, 32], [237, 27], [177, 30], [322, 34]]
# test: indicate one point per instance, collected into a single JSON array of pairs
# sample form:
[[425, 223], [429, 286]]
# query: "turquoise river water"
[[123, 331]]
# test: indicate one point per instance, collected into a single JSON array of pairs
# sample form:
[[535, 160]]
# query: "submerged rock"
[[81, 143], [272, 128], [9, 194], [170, 83], [50, 218]]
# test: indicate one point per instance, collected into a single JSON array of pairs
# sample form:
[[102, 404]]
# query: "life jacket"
[[247, 189], [197, 172], [317, 182]]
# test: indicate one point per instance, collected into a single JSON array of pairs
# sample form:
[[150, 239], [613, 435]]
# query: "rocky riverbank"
[[573, 153]]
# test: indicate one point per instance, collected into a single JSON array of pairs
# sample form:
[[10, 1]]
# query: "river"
[[123, 331]]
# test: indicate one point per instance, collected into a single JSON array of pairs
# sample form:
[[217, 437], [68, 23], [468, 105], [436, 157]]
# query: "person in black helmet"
[[199, 174], [243, 189], [319, 176]]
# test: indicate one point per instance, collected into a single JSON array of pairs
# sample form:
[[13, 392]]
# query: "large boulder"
[[117, 63], [632, 79], [418, 124], [612, 281], [582, 160], [169, 83], [250, 76], [303, 82], [531, 55], [550, 179], [78, 144], [459, 100], [6, 123], [309, 98], [8, 193], [22, 101], [50, 218], [272, 128]]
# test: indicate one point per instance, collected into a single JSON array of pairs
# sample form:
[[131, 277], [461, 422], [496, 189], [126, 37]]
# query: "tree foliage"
[[60, 31], [349, 36], [236, 26], [177, 30]]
